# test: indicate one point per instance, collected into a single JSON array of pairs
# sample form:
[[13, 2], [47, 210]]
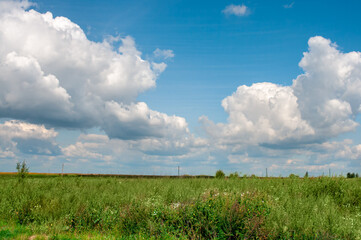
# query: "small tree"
[[22, 169], [234, 175], [306, 175], [293, 176], [220, 174]]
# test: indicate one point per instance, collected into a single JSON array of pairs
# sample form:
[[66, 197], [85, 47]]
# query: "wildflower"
[[175, 205]]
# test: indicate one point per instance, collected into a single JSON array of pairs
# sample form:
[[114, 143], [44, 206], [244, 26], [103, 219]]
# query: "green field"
[[73, 207]]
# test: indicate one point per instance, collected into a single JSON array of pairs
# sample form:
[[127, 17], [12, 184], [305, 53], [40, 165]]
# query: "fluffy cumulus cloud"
[[237, 10], [135, 121], [329, 92], [17, 136], [88, 147], [51, 74], [321, 103], [261, 113]]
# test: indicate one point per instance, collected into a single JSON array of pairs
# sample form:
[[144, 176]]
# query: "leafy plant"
[[220, 174], [23, 170]]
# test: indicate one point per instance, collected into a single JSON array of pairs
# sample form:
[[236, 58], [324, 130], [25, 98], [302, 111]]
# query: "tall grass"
[[239, 208]]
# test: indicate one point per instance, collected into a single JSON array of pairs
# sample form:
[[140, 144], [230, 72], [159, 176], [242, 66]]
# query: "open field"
[[73, 207], [34, 174]]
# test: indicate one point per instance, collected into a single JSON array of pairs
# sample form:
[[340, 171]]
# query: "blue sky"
[[139, 110], [215, 53]]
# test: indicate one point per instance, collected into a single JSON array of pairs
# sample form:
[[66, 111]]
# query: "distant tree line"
[[221, 174], [352, 175]]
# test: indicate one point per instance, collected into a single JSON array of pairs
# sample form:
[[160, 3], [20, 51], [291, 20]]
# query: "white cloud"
[[165, 54], [238, 159], [135, 121], [329, 92], [39, 96], [289, 5], [238, 10], [6, 6], [6, 154], [27, 138], [94, 148], [261, 113], [52, 74], [177, 146], [128, 46], [17, 129], [340, 150], [158, 68], [144, 152], [80, 150], [322, 103], [317, 158]]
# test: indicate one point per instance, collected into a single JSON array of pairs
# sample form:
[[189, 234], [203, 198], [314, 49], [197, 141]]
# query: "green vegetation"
[[293, 176], [234, 175], [352, 175], [22, 169], [220, 174], [72, 207]]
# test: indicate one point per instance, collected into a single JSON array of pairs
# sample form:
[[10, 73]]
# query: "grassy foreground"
[[122, 208]]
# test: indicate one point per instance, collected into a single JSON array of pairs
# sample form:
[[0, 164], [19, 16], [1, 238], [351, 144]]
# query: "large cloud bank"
[[321, 103], [51, 74]]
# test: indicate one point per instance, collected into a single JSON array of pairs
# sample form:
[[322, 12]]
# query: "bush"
[[23, 170], [293, 176], [234, 175], [220, 174]]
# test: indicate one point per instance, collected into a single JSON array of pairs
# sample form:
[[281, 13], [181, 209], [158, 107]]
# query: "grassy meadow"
[[70, 207]]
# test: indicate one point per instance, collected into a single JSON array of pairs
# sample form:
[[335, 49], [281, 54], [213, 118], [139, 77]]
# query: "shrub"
[[22, 169], [220, 174], [293, 176], [234, 175]]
